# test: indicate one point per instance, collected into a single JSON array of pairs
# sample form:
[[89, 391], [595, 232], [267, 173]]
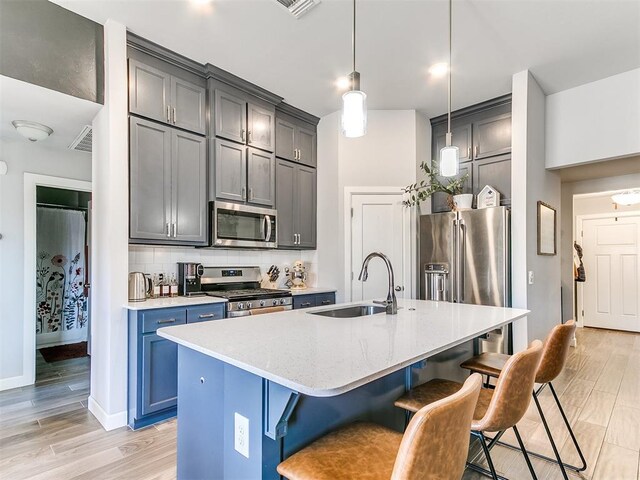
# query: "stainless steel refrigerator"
[[465, 258]]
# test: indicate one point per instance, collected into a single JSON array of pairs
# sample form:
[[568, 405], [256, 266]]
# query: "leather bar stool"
[[498, 409], [554, 357], [433, 447]]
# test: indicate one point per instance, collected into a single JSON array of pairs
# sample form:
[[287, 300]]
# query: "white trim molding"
[[108, 422], [31, 182]]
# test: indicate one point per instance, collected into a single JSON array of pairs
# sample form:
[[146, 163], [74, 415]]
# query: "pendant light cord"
[[353, 36], [449, 86]]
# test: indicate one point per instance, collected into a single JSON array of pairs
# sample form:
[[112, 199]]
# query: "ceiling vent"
[[82, 142], [298, 8]]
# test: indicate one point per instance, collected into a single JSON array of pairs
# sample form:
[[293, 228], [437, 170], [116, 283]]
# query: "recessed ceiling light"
[[32, 131], [201, 2], [439, 69], [343, 83]]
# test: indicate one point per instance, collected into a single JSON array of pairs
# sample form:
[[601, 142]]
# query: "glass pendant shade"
[[449, 161], [628, 198], [354, 114]]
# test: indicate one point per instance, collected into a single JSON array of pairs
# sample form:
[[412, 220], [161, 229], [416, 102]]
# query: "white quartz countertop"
[[312, 291], [323, 356], [169, 302]]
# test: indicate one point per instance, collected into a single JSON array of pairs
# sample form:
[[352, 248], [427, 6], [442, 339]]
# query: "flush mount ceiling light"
[[354, 102], [449, 154], [439, 69], [630, 197], [32, 131]]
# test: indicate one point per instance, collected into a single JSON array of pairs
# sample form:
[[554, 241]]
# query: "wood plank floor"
[[46, 431]]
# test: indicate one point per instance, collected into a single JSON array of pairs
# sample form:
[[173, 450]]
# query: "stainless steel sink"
[[351, 312]]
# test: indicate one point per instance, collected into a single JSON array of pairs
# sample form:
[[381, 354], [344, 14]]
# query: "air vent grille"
[[297, 8], [82, 142]]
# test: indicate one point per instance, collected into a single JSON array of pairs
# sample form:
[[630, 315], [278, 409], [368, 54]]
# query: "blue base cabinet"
[[313, 300], [153, 361]]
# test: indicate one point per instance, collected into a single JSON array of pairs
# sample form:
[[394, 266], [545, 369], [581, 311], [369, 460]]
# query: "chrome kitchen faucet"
[[391, 303]]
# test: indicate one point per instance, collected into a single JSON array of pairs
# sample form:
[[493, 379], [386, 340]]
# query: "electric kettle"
[[139, 287]]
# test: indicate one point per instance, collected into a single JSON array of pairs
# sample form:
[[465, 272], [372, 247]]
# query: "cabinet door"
[[159, 373], [305, 206], [324, 299], [230, 116], [304, 301], [460, 137], [261, 173], [285, 180], [205, 313], [230, 170], [188, 105], [149, 180], [189, 188], [492, 136], [439, 200], [496, 172], [149, 91], [306, 141], [261, 127], [285, 139]]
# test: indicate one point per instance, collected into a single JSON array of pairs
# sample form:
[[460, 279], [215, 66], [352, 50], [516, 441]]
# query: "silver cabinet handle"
[[168, 114], [295, 153], [305, 304], [477, 150], [295, 238], [299, 154], [469, 152], [327, 302], [175, 230], [168, 320], [174, 115], [250, 194], [207, 315], [168, 230], [250, 136], [243, 135], [244, 193]]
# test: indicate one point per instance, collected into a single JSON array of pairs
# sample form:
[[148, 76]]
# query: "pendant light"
[[354, 102], [449, 154]]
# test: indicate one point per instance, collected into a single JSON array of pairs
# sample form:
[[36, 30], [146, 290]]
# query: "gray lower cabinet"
[[296, 205], [313, 300], [168, 197], [153, 361], [159, 96], [296, 140]]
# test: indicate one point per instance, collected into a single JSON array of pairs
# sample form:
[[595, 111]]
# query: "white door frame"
[[408, 236], [578, 220], [31, 182]]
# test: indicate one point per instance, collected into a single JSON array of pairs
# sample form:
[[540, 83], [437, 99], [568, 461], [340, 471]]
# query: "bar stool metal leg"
[[573, 437], [476, 468], [524, 452], [551, 440]]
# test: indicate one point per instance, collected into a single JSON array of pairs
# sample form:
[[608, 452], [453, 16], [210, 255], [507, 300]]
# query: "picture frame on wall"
[[546, 229]]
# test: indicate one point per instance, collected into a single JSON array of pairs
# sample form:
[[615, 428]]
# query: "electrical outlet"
[[241, 435], [530, 277]]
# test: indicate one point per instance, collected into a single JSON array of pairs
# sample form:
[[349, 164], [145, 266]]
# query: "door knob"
[[399, 289]]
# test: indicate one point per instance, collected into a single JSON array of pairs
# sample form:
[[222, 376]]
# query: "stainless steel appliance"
[[465, 258], [139, 287], [236, 225], [241, 286], [189, 275]]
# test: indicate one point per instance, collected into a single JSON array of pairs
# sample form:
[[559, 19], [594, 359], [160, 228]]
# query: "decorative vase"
[[464, 201]]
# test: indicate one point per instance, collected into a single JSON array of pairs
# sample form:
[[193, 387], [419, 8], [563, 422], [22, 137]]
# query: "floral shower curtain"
[[61, 313]]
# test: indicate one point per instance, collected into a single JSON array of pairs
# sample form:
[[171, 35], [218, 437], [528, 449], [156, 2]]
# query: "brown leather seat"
[[434, 446], [498, 409]]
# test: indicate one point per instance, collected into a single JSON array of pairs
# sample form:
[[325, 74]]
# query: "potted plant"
[[425, 188]]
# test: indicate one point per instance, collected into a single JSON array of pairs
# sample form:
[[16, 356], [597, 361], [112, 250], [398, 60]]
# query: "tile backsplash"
[[149, 259]]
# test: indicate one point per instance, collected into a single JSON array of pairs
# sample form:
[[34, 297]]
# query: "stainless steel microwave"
[[236, 225]]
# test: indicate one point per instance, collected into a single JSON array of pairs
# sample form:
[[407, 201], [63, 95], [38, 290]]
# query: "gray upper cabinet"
[[189, 187], [150, 180], [492, 136], [460, 137], [494, 171], [188, 105], [230, 116], [167, 185], [285, 139], [160, 96], [261, 127], [296, 204], [149, 91], [261, 172], [230, 171], [306, 140]]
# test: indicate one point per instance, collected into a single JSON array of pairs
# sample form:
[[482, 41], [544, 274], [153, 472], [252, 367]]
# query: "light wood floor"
[[46, 431]]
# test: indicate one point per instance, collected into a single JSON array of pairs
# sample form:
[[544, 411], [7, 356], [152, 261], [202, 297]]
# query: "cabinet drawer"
[[304, 301], [204, 313], [325, 299], [166, 317]]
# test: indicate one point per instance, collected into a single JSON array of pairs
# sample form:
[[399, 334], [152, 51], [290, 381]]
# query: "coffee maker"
[[189, 275]]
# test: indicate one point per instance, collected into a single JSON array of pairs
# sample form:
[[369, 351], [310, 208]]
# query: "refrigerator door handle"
[[462, 242], [454, 260]]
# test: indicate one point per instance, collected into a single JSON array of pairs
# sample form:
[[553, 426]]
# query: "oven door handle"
[[267, 219]]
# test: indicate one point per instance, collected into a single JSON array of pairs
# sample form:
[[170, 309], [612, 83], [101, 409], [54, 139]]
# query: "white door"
[[611, 260], [380, 223]]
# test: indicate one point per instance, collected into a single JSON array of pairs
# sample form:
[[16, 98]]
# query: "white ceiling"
[[65, 114], [564, 43]]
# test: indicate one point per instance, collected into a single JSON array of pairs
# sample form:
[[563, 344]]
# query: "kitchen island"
[[254, 390]]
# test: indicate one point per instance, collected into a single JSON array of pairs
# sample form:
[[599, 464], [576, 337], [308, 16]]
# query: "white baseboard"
[[14, 382], [108, 421]]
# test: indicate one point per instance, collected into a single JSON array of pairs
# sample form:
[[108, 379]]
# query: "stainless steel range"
[[241, 286]]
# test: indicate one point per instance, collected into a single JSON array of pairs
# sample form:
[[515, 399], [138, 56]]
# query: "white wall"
[[23, 156], [596, 121], [385, 156], [532, 182], [110, 249], [584, 205]]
